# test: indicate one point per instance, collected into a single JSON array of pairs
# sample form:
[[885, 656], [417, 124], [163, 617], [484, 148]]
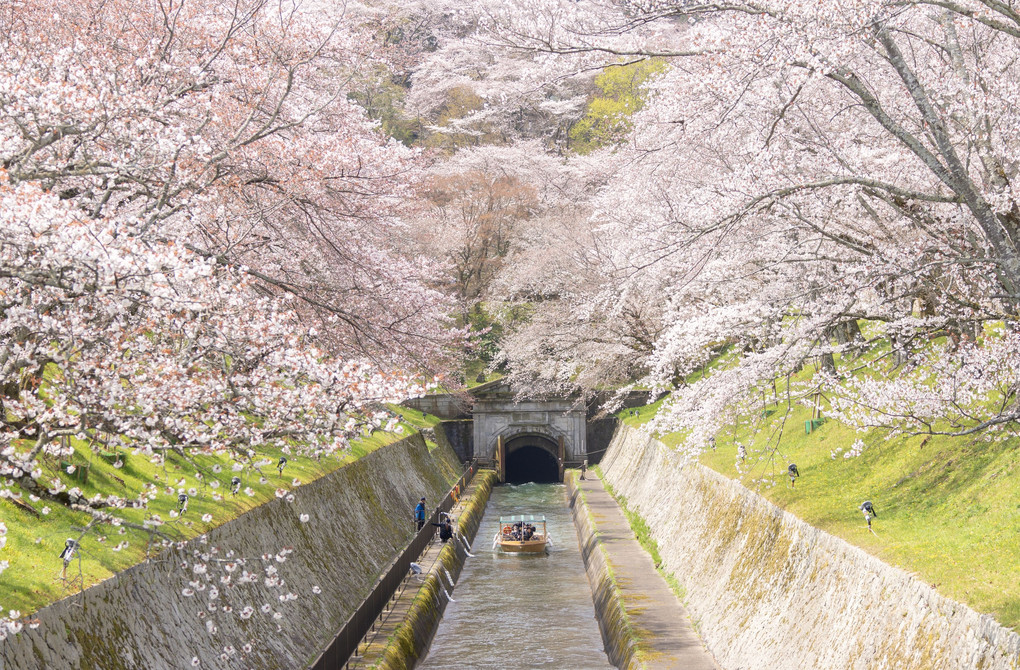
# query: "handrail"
[[345, 643]]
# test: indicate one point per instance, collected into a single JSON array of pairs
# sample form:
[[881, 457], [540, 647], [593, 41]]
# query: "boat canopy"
[[529, 518]]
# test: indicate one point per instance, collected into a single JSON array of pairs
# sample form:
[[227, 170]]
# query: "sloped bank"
[[770, 591], [359, 518]]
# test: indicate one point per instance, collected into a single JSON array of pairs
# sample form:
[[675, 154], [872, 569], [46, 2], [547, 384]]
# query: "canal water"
[[514, 611]]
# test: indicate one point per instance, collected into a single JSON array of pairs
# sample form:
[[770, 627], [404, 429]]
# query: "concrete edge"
[[622, 643], [412, 638]]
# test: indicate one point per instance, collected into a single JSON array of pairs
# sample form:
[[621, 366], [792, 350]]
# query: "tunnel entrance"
[[531, 463]]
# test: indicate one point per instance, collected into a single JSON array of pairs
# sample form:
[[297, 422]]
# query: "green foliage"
[[475, 374], [488, 329], [460, 103], [382, 98], [489, 321], [621, 93]]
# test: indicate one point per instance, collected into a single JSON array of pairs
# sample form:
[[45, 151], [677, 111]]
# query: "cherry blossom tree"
[[464, 91], [200, 225], [799, 168], [475, 204], [201, 242], [245, 127]]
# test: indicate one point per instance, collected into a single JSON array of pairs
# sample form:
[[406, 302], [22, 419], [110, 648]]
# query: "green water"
[[519, 611]]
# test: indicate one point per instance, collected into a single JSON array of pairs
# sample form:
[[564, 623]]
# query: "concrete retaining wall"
[[413, 637], [360, 518], [618, 636], [770, 591], [443, 405]]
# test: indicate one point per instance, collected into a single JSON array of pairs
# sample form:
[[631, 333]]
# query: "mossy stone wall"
[[360, 517], [618, 635], [767, 590], [412, 638]]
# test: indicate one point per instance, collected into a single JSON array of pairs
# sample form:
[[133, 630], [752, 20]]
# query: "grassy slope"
[[34, 543], [948, 508], [473, 368]]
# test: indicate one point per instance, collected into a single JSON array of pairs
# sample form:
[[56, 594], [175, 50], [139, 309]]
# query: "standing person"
[[868, 510], [419, 513], [445, 529], [584, 468]]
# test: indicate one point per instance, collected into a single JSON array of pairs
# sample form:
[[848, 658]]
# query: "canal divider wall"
[[360, 517], [367, 620], [618, 635], [411, 639], [770, 591]]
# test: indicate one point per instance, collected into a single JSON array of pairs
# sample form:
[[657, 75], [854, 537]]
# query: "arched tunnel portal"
[[532, 458]]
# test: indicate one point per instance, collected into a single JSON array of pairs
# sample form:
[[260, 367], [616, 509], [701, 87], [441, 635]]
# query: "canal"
[[513, 611]]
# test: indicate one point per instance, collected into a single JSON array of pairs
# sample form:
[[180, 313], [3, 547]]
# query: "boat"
[[522, 534]]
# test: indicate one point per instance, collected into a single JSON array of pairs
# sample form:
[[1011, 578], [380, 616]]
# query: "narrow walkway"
[[651, 605], [371, 649]]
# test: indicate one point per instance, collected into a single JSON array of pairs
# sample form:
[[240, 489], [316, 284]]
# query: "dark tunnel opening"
[[531, 464]]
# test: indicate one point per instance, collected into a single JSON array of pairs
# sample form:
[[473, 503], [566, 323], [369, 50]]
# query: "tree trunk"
[[847, 332], [828, 363]]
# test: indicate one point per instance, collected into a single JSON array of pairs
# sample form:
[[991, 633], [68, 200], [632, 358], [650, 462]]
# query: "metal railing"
[[370, 611]]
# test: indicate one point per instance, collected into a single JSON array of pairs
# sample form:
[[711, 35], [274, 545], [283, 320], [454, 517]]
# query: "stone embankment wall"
[[618, 636], [767, 590], [600, 435], [411, 641], [359, 519], [443, 405], [460, 434]]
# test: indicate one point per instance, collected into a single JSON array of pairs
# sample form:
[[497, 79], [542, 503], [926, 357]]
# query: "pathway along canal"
[[513, 611]]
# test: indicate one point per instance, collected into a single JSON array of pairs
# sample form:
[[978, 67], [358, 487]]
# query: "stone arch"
[[531, 456], [557, 425], [548, 433]]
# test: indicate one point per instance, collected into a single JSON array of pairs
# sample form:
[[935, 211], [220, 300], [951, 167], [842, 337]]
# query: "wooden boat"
[[522, 534]]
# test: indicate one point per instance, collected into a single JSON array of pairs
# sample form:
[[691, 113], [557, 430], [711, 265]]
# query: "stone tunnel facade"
[[536, 430]]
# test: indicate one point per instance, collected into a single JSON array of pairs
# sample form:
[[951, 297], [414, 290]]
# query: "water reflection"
[[521, 611]]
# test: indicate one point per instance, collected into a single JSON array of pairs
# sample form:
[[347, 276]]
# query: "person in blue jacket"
[[419, 514]]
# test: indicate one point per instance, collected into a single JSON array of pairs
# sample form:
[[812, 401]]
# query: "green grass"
[[475, 367], [413, 420], [948, 508], [34, 542]]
